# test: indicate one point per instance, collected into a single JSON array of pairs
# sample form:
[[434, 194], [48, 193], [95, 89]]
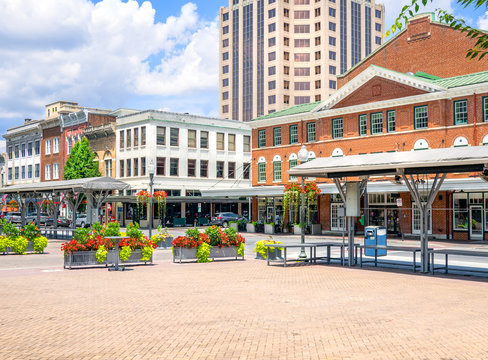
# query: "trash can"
[[374, 236]]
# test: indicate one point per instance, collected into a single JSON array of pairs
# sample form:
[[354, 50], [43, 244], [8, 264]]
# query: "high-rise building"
[[279, 53]]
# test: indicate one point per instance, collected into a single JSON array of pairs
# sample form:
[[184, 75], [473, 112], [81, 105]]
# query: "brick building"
[[381, 110]]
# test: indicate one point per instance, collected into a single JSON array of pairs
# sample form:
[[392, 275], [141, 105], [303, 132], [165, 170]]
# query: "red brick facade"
[[424, 46]]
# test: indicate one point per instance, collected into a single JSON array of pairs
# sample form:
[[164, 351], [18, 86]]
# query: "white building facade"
[[188, 154]]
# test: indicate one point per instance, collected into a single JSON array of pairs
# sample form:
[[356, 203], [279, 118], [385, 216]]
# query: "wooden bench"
[[448, 252], [414, 251]]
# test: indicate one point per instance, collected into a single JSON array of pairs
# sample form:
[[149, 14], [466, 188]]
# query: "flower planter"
[[316, 229], [180, 254], [165, 244], [273, 255], [234, 226], [250, 228], [297, 230], [269, 229], [87, 258], [30, 248]]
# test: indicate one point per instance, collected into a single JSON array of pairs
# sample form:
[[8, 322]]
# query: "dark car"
[[62, 221], [13, 217], [224, 218]]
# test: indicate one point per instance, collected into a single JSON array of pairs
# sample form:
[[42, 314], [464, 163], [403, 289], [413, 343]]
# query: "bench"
[[179, 222], [414, 251], [312, 248], [448, 252], [59, 233]]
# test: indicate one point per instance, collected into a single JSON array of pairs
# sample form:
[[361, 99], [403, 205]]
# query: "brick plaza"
[[236, 310]]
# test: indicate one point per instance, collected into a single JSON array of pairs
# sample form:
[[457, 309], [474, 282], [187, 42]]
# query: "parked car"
[[13, 217], [223, 218], [62, 221], [33, 218], [82, 221]]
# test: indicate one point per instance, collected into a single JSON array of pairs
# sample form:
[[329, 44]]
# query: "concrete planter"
[[165, 244], [250, 228], [297, 230], [275, 255], [269, 229], [87, 258], [180, 254], [234, 226], [316, 229]]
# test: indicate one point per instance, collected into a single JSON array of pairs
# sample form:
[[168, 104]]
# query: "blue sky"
[[121, 53]]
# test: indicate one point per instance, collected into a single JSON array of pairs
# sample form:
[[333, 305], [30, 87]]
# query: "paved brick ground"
[[236, 310]]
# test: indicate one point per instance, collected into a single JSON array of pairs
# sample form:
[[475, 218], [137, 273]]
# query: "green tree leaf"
[[80, 163]]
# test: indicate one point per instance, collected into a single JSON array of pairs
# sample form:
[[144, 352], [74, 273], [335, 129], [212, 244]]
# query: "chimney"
[[27, 120]]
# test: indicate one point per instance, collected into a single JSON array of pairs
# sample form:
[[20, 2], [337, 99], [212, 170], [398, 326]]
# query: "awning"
[[79, 185]]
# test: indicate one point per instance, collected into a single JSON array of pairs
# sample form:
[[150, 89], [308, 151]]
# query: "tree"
[[480, 49], [80, 162]]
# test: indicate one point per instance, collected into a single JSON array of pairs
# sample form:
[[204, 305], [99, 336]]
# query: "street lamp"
[[302, 157], [151, 169]]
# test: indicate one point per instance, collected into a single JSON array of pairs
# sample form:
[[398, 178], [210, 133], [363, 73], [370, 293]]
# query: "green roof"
[[292, 110], [421, 74], [462, 80]]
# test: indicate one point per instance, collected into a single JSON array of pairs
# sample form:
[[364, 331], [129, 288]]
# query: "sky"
[[122, 54]]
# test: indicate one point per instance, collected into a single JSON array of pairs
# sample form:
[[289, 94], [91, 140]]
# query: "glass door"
[[476, 222]]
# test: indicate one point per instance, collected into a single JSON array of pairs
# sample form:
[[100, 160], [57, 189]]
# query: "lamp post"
[[302, 157], [151, 170]]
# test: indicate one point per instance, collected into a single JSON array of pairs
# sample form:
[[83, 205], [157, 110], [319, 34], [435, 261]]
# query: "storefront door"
[[392, 221], [476, 222]]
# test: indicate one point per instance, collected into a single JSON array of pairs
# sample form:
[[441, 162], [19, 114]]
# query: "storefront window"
[[460, 206], [261, 210], [416, 219]]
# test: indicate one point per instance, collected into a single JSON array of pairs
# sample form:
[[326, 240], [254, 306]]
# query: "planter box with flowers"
[[251, 227], [162, 238], [269, 228], [214, 243], [91, 247], [19, 242], [261, 249]]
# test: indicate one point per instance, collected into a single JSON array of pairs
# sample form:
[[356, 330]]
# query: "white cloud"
[[483, 21], [100, 54]]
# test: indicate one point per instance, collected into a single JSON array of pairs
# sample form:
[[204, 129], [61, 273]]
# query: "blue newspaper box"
[[374, 236]]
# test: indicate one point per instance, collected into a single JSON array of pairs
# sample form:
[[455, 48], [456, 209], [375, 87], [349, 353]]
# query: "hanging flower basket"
[[142, 197], [160, 197], [291, 197]]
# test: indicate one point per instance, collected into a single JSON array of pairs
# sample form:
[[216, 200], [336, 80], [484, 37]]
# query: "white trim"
[[276, 158], [460, 141], [294, 156], [421, 144], [262, 160], [337, 152]]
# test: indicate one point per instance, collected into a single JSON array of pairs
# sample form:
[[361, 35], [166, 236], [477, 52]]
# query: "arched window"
[[293, 161], [421, 144], [262, 169], [485, 140], [460, 141], [337, 152], [276, 168]]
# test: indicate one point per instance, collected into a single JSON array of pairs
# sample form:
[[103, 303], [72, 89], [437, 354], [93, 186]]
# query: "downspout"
[[475, 142]]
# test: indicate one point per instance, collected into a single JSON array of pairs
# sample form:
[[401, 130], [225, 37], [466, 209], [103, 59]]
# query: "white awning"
[[95, 183]]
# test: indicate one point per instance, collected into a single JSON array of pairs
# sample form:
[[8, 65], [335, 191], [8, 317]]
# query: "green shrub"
[[101, 254], [3, 243], [193, 234], [261, 248], [214, 235], [203, 251], [19, 245], [133, 231], [147, 252], [125, 253], [39, 244], [240, 249], [231, 233], [97, 229], [112, 229], [81, 235], [10, 230]]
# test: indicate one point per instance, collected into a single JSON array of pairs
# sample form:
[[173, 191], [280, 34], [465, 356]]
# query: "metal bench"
[[312, 248], [448, 252], [179, 222], [414, 251]]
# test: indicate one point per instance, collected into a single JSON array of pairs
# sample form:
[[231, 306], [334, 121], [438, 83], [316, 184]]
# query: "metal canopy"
[[430, 161], [80, 185], [405, 164]]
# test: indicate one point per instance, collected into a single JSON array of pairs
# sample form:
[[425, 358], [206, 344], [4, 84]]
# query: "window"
[[277, 136], [231, 170], [220, 141], [22, 151], [286, 12], [332, 12], [262, 172], [378, 14], [332, 70], [10, 153], [390, 121], [204, 168], [121, 168], [271, 13], [286, 55], [192, 165], [460, 112], [231, 142], [136, 167], [302, 42], [225, 109], [302, 71], [204, 139], [17, 172], [318, 84], [317, 55], [286, 84], [332, 84], [302, 57], [302, 2], [174, 137], [272, 99], [337, 128], [129, 140], [225, 95], [460, 212], [225, 56], [363, 125], [302, 100], [261, 138], [56, 145], [121, 139], [173, 167], [247, 143], [376, 123], [108, 167], [377, 40], [332, 55], [317, 12], [143, 166], [276, 170], [225, 82], [37, 147], [317, 41], [286, 99], [192, 138], [225, 16], [318, 70], [10, 173], [219, 170], [246, 171], [29, 171], [310, 132], [160, 135], [317, 26], [301, 29], [286, 27], [225, 29], [47, 170], [22, 171], [332, 41], [69, 145], [337, 222], [292, 164], [421, 117], [301, 85], [332, 26], [225, 69], [485, 108], [128, 165], [272, 56], [377, 27], [136, 136], [272, 85], [37, 170], [55, 171], [271, 27], [143, 136], [302, 14], [271, 70]]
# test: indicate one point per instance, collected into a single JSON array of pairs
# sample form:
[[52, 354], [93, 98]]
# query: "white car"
[[82, 221]]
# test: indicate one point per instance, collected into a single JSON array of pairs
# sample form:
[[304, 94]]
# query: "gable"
[[378, 89]]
